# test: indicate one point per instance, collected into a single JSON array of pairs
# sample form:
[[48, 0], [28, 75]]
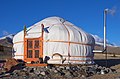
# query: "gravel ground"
[[97, 71], [112, 62]]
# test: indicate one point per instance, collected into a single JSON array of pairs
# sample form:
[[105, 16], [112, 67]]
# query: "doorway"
[[33, 49]]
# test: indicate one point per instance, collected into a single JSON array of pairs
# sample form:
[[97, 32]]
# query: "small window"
[[36, 42], [29, 54], [30, 45], [36, 53]]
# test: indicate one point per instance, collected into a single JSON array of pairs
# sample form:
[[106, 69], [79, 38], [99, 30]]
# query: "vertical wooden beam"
[[25, 44], [41, 40]]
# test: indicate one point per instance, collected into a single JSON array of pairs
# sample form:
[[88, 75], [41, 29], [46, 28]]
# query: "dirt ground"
[[102, 56], [111, 62]]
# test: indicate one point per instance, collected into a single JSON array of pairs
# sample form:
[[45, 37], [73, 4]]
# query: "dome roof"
[[58, 28]]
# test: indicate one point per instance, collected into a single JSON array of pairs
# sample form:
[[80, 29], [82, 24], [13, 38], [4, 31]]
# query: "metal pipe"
[[104, 43], [105, 51], [105, 12]]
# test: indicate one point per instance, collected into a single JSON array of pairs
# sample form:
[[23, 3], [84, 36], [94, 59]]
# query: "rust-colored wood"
[[25, 45], [41, 54], [33, 50], [33, 65], [69, 42], [26, 59]]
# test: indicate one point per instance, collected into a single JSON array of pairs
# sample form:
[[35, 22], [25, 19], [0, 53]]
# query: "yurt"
[[57, 39]]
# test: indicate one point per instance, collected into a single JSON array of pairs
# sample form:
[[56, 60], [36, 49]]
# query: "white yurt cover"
[[60, 36]]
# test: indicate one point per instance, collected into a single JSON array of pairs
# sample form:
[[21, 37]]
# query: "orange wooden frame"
[[34, 65], [40, 45]]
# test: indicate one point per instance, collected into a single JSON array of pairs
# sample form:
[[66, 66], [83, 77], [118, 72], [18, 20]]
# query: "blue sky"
[[86, 14]]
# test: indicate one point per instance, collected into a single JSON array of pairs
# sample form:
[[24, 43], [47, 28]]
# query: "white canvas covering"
[[61, 36]]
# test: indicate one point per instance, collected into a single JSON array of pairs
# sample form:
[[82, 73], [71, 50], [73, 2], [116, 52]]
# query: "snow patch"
[[8, 36], [99, 41]]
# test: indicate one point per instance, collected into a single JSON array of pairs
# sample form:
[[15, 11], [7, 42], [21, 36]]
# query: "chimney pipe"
[[104, 43], [105, 13]]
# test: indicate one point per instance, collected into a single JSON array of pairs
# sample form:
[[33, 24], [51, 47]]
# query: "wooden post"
[[25, 42], [41, 54]]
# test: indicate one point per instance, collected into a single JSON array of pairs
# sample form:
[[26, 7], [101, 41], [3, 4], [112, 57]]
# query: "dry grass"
[[3, 57], [103, 56], [100, 59]]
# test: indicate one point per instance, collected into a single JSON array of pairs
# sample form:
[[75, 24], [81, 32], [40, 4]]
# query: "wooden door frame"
[[40, 44]]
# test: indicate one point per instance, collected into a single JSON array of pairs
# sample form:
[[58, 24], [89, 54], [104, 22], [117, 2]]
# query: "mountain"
[[7, 40], [111, 48], [99, 41]]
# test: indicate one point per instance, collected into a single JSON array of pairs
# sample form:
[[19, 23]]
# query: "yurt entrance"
[[33, 49]]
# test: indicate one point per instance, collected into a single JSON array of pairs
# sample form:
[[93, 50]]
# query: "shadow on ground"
[[110, 62], [2, 61]]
